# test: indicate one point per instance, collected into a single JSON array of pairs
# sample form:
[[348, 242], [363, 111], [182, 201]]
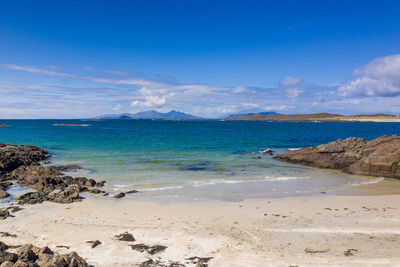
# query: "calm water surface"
[[195, 159]]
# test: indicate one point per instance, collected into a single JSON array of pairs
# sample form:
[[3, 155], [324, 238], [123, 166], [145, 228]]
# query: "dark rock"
[[6, 234], [140, 247], [132, 192], [97, 191], [25, 248], [69, 167], [125, 237], [156, 249], [4, 213], [12, 156], [378, 157], [16, 209], [7, 264], [28, 256], [8, 256], [74, 260], [3, 193], [94, 243], [3, 246], [120, 195], [149, 249]]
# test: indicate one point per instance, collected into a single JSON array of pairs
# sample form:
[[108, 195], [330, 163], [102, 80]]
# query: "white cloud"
[[290, 82], [380, 77], [117, 107], [150, 101], [293, 92]]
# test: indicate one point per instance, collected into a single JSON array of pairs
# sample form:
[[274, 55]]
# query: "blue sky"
[[71, 59]]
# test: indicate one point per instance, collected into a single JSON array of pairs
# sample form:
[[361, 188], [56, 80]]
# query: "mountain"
[[249, 114], [148, 115]]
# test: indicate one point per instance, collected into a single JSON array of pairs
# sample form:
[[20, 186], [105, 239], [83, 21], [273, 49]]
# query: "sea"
[[197, 160]]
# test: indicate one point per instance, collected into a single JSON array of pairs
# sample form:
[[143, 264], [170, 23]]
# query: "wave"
[[201, 183], [374, 181], [293, 149]]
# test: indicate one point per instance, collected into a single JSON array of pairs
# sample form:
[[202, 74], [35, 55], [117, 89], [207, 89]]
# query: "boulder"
[[4, 213], [378, 157]]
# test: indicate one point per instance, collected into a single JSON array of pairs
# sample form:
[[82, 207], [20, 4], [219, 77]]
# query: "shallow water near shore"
[[198, 160]]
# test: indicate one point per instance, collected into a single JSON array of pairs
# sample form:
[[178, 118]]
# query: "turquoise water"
[[196, 159]]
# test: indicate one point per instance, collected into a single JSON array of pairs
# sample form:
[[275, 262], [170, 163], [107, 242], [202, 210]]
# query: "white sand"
[[267, 232]]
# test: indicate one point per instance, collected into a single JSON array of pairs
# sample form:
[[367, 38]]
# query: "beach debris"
[[379, 157], [120, 195], [149, 249], [128, 237], [311, 251], [94, 243], [350, 252], [6, 234]]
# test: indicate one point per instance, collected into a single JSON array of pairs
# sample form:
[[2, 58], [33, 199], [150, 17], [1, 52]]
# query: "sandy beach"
[[303, 231]]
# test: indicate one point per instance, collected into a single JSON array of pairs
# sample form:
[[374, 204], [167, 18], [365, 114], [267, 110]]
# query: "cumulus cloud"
[[380, 77]]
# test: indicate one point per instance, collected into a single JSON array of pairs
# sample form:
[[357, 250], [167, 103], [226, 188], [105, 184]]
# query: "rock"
[[97, 191], [140, 247], [132, 192], [120, 195], [267, 152], [3, 246], [7, 264], [28, 256], [69, 167], [4, 213], [378, 157], [74, 260], [149, 249], [25, 248], [3, 193], [156, 249], [125, 237], [16, 209], [12, 156], [6, 234], [94, 243]]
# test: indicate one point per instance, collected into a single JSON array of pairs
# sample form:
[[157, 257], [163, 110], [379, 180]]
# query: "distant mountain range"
[[249, 114], [147, 115]]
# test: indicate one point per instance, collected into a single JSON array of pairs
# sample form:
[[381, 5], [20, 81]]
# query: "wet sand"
[[302, 231]]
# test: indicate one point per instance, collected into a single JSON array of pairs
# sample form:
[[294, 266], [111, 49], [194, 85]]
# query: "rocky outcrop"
[[30, 255], [378, 157], [12, 156], [21, 164]]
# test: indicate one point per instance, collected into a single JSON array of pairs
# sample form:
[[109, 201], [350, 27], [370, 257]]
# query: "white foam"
[[293, 149], [374, 181]]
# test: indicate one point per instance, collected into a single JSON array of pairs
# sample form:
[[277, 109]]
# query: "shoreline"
[[256, 232]]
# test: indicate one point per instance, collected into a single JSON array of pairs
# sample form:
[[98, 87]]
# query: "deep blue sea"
[[195, 159]]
